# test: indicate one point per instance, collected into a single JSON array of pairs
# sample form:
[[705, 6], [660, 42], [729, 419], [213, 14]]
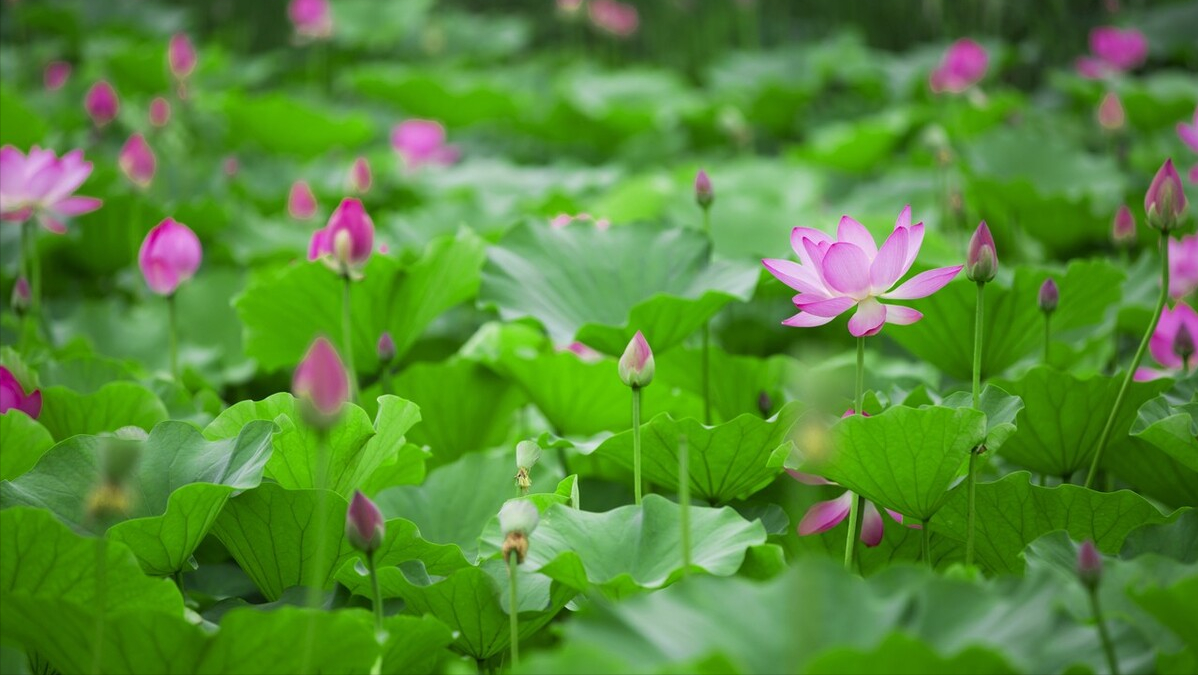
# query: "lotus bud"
[[1089, 565], [160, 111], [386, 347], [102, 103], [764, 404], [137, 161], [360, 177], [1165, 200], [982, 263], [1110, 112], [364, 525], [1123, 230], [230, 166], [517, 520], [704, 195], [321, 383], [21, 296], [1050, 296], [301, 203], [56, 74], [312, 19], [527, 454], [1183, 343], [636, 365], [181, 56], [170, 255]]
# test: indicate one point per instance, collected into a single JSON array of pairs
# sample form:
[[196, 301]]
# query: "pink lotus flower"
[[102, 103], [181, 56], [1165, 200], [617, 18], [1110, 112], [56, 75], [137, 161], [636, 366], [13, 397], [160, 111], [364, 525], [170, 255], [301, 203], [1172, 343], [1114, 50], [421, 142], [583, 352], [312, 19], [321, 380], [836, 275], [561, 220], [42, 184], [823, 516], [345, 243], [360, 177], [963, 65], [1183, 266], [1123, 229]]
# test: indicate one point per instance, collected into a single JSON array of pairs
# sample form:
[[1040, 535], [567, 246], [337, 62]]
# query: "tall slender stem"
[[29, 320], [514, 608], [1104, 636], [850, 544], [101, 603], [977, 405], [972, 513], [636, 443], [684, 502], [1135, 363], [859, 392], [173, 331], [315, 584], [1047, 335], [706, 365], [375, 594], [347, 338]]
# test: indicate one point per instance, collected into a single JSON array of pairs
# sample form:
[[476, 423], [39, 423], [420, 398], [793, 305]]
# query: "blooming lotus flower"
[[981, 264], [101, 103], [963, 65], [836, 275], [421, 142], [42, 184], [345, 243], [1165, 200], [1110, 112], [181, 56], [160, 111], [1183, 266], [22, 297], [636, 365], [1050, 296], [56, 74], [13, 396], [1089, 564], [320, 380], [170, 255], [301, 203], [137, 161], [704, 195], [1123, 229], [1172, 343], [1119, 49], [360, 176], [312, 19], [617, 18], [364, 525]]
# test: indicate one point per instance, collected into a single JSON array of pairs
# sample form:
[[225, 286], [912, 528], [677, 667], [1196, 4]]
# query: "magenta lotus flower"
[[301, 203], [137, 161], [170, 255], [704, 194], [364, 525], [1120, 49], [1165, 200], [42, 185], [1172, 343], [181, 56], [160, 111], [386, 347], [1123, 229], [321, 380], [56, 74], [616, 18], [101, 103], [824, 516], [345, 243], [981, 263], [1110, 112], [636, 366], [421, 142], [836, 275], [1089, 564], [963, 65], [22, 296], [312, 19], [13, 397], [360, 177], [1183, 266]]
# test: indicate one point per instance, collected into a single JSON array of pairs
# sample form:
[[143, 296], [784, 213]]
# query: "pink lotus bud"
[[360, 177], [1089, 565], [1123, 230], [386, 347], [311, 18], [1110, 112], [181, 56], [345, 243], [160, 111], [1119, 49], [1165, 200], [321, 382], [21, 296], [230, 165], [102, 103], [964, 64], [616, 18], [636, 366], [1183, 344], [982, 263], [364, 525], [704, 195], [170, 255], [1050, 296], [13, 397], [301, 203], [137, 161], [421, 142], [56, 75]]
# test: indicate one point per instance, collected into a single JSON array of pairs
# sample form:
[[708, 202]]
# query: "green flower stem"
[[513, 608], [1047, 335], [706, 365], [859, 393], [385, 378], [684, 501], [101, 601], [850, 544], [28, 320], [375, 595], [347, 338], [173, 334], [1135, 363], [636, 443], [977, 400], [1104, 636]]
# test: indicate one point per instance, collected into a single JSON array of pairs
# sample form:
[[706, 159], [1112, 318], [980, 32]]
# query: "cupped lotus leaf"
[[115, 405], [727, 461], [604, 285], [23, 440], [1001, 411]]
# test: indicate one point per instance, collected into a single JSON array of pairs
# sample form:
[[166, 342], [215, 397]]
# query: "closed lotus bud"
[[230, 165], [311, 19], [137, 161], [982, 262], [527, 454], [1165, 200], [21, 296], [704, 194], [364, 525], [321, 383], [1183, 343], [160, 111], [1089, 565], [1050, 296], [517, 520], [636, 365], [345, 244], [102, 103], [386, 347], [1110, 112], [56, 75], [764, 404], [360, 177], [301, 203], [181, 56], [1123, 230], [170, 255]]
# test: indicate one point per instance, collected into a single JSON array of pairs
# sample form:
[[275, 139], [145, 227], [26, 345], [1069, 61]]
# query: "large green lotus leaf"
[[1013, 324], [455, 97], [1177, 539], [737, 382], [466, 406], [285, 309], [900, 654], [415, 645], [178, 486], [284, 125], [292, 640], [115, 405], [727, 461], [22, 442], [1173, 429], [604, 285], [355, 447], [1001, 410], [904, 459], [1064, 415], [1173, 606], [634, 548], [860, 144]]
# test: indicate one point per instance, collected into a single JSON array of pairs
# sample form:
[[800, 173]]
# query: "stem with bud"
[[706, 365], [173, 330], [375, 594], [977, 405], [347, 338], [1104, 636]]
